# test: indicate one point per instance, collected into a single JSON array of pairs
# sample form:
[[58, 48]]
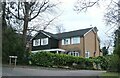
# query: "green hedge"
[[102, 61], [48, 59]]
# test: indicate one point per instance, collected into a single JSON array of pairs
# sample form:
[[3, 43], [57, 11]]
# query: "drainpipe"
[[95, 44], [83, 46]]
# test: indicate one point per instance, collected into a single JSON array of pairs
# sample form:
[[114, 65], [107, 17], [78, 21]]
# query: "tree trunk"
[[25, 26], [4, 24], [25, 32]]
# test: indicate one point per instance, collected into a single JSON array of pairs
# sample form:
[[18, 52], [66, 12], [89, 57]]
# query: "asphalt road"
[[23, 71]]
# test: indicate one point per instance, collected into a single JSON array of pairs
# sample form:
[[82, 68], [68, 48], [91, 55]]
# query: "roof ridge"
[[74, 30], [73, 33]]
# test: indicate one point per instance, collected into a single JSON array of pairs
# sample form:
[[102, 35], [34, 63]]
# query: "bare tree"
[[28, 11], [112, 9], [60, 28], [112, 15], [81, 5]]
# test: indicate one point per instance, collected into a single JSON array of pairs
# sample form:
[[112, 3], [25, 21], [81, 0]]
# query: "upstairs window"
[[36, 42], [66, 41], [75, 40], [44, 41]]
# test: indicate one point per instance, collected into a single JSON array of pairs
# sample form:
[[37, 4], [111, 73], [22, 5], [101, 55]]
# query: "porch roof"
[[62, 50]]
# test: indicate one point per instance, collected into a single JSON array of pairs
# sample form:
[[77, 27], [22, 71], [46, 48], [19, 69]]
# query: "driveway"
[[28, 71]]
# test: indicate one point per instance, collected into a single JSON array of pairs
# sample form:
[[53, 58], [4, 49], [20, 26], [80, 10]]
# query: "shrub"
[[102, 61], [114, 63], [89, 63], [49, 59], [42, 59]]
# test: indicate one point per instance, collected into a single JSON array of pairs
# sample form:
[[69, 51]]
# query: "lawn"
[[110, 75]]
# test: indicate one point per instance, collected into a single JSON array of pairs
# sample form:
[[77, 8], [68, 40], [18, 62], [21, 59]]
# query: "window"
[[66, 41], [87, 54], [74, 53], [77, 54], [36, 42], [44, 41], [75, 40]]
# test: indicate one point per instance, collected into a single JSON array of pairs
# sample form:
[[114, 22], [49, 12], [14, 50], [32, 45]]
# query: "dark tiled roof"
[[80, 33], [75, 33], [50, 34]]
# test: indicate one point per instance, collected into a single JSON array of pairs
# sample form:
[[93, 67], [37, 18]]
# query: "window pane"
[[75, 40], [44, 41], [63, 42], [77, 54], [36, 42], [87, 54], [66, 41]]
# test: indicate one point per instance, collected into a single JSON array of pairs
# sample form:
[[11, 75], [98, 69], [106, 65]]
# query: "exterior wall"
[[73, 47], [98, 53], [92, 44], [39, 36], [52, 43]]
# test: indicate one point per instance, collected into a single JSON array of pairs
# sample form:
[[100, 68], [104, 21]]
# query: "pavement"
[[38, 71]]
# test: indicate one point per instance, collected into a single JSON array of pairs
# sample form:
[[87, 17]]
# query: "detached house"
[[84, 42]]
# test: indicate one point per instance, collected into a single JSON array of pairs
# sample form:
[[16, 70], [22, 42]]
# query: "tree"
[[28, 11], [105, 51], [4, 24], [11, 45], [60, 28], [117, 42], [112, 11]]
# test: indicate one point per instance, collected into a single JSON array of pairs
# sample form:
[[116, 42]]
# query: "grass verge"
[[109, 75]]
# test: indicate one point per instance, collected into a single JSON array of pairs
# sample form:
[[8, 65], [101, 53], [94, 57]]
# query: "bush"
[[49, 59], [42, 59], [89, 63], [114, 63], [101, 61]]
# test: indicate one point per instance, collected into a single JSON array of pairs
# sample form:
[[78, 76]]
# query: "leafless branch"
[[84, 5], [14, 14], [48, 23], [41, 6]]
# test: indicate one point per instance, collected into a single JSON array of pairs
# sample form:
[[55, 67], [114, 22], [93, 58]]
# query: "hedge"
[[48, 59]]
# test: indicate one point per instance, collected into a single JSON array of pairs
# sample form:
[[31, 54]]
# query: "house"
[[83, 42]]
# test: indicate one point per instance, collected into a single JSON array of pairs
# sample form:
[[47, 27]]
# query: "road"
[[24, 71]]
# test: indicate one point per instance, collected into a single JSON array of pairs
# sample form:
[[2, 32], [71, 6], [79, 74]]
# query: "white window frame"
[[42, 41], [74, 54], [73, 40], [64, 41], [87, 54], [77, 54], [38, 42]]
